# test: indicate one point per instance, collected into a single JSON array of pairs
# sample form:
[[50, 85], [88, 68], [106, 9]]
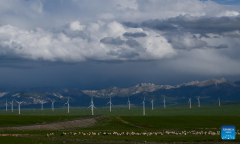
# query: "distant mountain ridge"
[[148, 87], [208, 90]]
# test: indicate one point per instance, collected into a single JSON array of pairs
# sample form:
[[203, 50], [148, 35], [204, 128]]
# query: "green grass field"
[[174, 110], [176, 118], [20, 120]]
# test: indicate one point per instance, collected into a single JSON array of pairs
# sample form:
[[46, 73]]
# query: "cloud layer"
[[122, 30], [75, 43]]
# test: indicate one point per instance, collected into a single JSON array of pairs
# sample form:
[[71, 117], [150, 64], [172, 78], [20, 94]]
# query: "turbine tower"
[[11, 105], [67, 104], [92, 106], [52, 104], [152, 103], [164, 101], [219, 102], [6, 104], [190, 102], [41, 104], [143, 106], [198, 101], [110, 103], [19, 106], [128, 103]]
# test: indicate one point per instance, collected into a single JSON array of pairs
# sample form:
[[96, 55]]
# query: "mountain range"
[[208, 90]]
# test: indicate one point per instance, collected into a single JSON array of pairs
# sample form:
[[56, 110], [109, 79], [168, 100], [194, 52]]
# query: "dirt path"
[[126, 122], [75, 123]]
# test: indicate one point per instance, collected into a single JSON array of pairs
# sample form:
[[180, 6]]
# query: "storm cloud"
[[135, 35], [190, 23], [150, 41], [113, 41]]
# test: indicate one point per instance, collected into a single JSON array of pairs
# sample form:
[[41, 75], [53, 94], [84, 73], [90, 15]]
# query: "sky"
[[90, 44]]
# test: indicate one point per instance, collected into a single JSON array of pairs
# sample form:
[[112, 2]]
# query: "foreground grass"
[[175, 118], [114, 139], [183, 122], [20, 120]]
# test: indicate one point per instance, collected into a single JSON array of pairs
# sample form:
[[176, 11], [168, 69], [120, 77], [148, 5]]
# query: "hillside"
[[208, 90]]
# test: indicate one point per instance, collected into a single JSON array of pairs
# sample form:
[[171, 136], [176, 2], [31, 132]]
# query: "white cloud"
[[235, 33], [49, 46], [228, 13], [75, 26]]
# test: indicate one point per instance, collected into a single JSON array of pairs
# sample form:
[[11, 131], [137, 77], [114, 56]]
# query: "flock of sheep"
[[193, 132]]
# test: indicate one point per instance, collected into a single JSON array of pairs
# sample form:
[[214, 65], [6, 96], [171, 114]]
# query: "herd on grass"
[[193, 132]]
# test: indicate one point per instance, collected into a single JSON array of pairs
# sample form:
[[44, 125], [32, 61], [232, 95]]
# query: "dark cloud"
[[132, 43], [180, 31], [161, 25], [222, 46], [131, 24], [193, 24], [187, 23], [189, 41], [118, 41], [128, 54], [123, 53], [185, 41], [112, 41], [204, 36], [95, 75], [135, 35]]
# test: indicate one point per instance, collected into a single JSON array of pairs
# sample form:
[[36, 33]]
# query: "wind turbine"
[[190, 102], [198, 101], [19, 108], [67, 104], [6, 104], [41, 104], [164, 101], [128, 103], [219, 102], [143, 106], [110, 103], [52, 104], [11, 105], [152, 103], [92, 105]]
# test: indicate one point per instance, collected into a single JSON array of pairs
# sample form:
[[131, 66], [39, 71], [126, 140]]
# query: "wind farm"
[[118, 121], [119, 71]]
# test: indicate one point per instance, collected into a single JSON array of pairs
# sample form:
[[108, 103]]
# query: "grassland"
[[176, 118], [20, 120], [174, 110]]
